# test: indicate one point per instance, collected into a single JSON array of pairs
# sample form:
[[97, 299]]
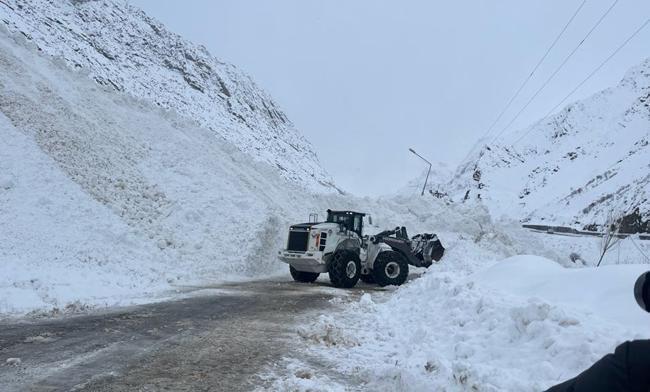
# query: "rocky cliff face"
[[572, 168], [122, 48]]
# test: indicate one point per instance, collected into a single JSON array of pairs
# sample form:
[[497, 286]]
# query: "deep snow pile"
[[485, 318], [521, 324], [55, 238], [105, 199], [123, 49], [573, 167]]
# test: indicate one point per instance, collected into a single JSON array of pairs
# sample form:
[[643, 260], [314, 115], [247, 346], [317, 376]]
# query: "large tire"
[[302, 276], [369, 279], [344, 269], [390, 269]]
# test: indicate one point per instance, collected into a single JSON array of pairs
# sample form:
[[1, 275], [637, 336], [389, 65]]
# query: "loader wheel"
[[369, 278], [344, 269], [302, 276], [390, 269]]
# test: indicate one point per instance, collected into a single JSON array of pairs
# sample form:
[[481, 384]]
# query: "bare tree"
[[610, 234]]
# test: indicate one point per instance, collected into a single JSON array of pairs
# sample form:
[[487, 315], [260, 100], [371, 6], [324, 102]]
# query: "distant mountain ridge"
[[122, 48], [572, 168]]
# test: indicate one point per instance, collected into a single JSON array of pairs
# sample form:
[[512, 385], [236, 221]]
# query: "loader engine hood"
[[310, 237]]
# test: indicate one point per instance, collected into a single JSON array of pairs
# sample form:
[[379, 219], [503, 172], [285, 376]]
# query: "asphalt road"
[[214, 341]]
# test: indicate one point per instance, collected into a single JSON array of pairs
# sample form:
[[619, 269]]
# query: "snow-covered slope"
[[55, 239], [120, 47], [105, 199], [574, 167]]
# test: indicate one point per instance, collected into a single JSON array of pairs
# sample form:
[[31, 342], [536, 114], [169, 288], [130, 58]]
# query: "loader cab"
[[350, 220]]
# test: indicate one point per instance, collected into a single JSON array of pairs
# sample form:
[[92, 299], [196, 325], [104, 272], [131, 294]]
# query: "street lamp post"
[[428, 172]]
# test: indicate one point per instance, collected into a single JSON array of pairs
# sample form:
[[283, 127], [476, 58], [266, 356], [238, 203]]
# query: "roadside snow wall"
[[104, 198], [522, 324]]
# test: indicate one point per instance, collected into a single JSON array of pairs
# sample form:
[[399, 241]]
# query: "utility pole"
[[428, 172]]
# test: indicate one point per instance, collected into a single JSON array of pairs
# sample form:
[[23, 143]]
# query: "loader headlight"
[[329, 231]]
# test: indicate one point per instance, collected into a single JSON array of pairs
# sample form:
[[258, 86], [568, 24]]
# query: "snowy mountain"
[[120, 47], [574, 167]]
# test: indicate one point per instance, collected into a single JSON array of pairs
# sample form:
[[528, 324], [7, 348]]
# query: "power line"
[[566, 59], [541, 60], [591, 74], [598, 68], [637, 31]]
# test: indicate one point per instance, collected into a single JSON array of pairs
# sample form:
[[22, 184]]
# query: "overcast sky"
[[365, 80]]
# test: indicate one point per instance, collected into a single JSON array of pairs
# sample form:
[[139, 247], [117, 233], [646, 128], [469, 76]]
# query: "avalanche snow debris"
[[112, 200], [521, 324]]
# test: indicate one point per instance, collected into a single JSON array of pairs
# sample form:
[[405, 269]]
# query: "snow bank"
[[107, 200], [58, 245], [605, 292], [521, 324]]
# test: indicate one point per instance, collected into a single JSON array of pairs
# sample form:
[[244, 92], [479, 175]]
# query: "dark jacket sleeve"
[[628, 369]]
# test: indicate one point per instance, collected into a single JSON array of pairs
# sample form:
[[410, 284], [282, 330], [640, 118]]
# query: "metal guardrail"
[[571, 231]]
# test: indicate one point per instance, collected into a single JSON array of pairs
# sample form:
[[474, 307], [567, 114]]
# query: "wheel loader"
[[339, 247]]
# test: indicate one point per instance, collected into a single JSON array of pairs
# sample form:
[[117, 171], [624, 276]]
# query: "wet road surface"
[[206, 342]]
